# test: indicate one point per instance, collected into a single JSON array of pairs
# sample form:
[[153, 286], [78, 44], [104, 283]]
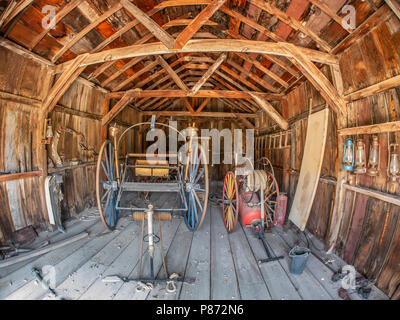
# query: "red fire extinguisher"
[[282, 206]]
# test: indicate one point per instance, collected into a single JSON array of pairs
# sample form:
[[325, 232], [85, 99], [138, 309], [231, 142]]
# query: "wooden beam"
[[123, 30], [172, 74], [116, 109], [252, 76], [19, 176], [238, 78], [197, 22], [374, 89], [188, 106], [371, 129], [208, 45], [59, 16], [283, 64], [201, 94], [85, 31], [208, 74], [270, 111], [246, 123], [374, 194], [329, 12], [395, 6], [150, 24], [251, 23], [378, 17], [318, 79], [296, 25], [63, 83], [259, 66], [13, 9], [205, 102], [201, 114], [136, 75]]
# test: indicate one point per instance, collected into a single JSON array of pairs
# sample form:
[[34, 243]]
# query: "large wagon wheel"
[[197, 187], [271, 195], [107, 185], [230, 210]]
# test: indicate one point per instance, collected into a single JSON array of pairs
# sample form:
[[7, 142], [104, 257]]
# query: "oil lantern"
[[374, 155], [360, 162], [348, 155], [393, 168]]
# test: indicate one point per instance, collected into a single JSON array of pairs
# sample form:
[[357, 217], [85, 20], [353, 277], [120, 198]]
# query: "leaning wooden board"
[[310, 168]]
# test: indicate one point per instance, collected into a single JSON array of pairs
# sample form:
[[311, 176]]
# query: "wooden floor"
[[224, 266]]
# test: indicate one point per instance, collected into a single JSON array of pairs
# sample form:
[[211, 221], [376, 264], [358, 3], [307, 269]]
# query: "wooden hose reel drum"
[[188, 179]]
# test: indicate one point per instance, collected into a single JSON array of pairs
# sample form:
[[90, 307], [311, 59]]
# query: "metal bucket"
[[299, 257]]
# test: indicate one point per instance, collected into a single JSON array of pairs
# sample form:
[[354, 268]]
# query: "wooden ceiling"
[[151, 52]]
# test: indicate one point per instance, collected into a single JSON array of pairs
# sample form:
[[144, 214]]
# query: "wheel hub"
[[191, 186], [113, 185]]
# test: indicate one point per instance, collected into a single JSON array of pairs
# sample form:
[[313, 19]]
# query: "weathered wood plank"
[[224, 285]]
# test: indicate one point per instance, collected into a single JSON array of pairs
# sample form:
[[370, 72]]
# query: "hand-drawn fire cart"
[[184, 173]]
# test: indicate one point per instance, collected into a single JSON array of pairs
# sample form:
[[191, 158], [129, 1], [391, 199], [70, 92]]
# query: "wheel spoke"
[[105, 194], [198, 200], [105, 171], [199, 176]]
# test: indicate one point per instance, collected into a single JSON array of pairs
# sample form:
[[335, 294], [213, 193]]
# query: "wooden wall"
[[23, 85], [369, 236], [24, 82]]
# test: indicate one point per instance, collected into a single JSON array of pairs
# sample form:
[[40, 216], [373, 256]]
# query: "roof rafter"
[[197, 23], [208, 74], [13, 9], [85, 31], [318, 79], [59, 16], [328, 11], [172, 74], [150, 24]]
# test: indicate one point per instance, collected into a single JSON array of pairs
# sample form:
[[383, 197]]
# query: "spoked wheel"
[[107, 185], [230, 211], [264, 164], [271, 195], [195, 175]]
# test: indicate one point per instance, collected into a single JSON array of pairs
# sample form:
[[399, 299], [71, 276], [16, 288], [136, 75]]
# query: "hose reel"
[[256, 181]]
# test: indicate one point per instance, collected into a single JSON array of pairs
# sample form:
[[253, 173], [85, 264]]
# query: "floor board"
[[224, 267], [224, 284], [198, 266]]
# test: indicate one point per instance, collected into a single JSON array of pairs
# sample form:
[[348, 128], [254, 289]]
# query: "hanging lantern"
[[360, 162], [393, 168], [374, 157], [348, 155]]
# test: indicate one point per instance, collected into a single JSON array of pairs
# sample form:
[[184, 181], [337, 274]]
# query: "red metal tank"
[[249, 208]]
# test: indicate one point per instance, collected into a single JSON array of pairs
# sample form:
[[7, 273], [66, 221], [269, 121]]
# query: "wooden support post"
[[335, 220]]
